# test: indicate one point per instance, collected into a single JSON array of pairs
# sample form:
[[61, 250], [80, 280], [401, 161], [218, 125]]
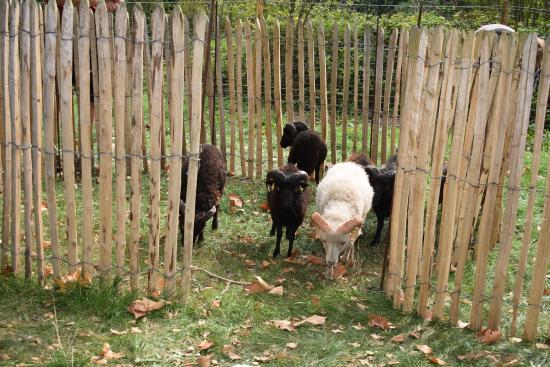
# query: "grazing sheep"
[[344, 198], [290, 131], [210, 185], [287, 197]]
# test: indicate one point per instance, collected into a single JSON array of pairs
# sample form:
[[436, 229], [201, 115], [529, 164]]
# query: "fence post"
[[311, 74], [177, 82], [366, 90], [258, 95], [289, 58], [301, 72], [267, 91], [333, 95], [239, 94], [398, 72], [232, 107], [198, 50], [323, 82], [219, 87], [277, 89], [355, 88], [250, 97], [135, 150], [345, 101], [377, 108], [387, 95]]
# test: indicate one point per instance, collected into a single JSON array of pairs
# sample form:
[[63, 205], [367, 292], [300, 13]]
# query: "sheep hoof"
[[276, 254]]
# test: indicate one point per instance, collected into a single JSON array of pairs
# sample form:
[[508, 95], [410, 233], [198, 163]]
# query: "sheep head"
[[290, 131], [335, 241], [287, 187]]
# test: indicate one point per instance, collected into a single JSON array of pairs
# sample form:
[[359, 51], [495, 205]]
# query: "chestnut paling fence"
[[443, 95]]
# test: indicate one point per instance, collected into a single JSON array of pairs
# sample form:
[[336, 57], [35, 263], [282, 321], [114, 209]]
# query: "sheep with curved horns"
[[344, 197], [287, 197]]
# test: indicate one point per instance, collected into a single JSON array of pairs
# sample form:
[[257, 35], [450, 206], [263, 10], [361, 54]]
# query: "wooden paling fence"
[[114, 102]]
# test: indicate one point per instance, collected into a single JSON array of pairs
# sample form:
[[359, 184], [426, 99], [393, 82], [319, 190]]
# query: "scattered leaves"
[[135, 330], [380, 322], [141, 307], [250, 263], [205, 344], [417, 334], [542, 346], [315, 300], [259, 286], [215, 304], [105, 355], [291, 345], [361, 306], [437, 361], [376, 336], [358, 327], [313, 320], [264, 206], [399, 338], [231, 352], [354, 344], [284, 325], [424, 348], [315, 260], [265, 264], [116, 332], [235, 200], [204, 361], [246, 239], [278, 291], [515, 339], [488, 336]]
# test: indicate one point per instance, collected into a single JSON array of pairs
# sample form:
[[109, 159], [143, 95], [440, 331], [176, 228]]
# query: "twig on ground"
[[56, 326], [230, 281], [225, 290]]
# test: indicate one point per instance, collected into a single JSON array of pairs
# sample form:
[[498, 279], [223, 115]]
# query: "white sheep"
[[344, 197]]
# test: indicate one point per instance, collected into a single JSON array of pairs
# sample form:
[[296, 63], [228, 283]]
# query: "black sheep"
[[307, 149], [287, 197], [210, 185]]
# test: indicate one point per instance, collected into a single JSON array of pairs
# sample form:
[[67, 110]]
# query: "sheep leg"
[[215, 219], [278, 243], [379, 227], [317, 173], [290, 236], [273, 229]]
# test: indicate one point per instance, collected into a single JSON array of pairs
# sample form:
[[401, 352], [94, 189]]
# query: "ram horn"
[[320, 222], [349, 225]]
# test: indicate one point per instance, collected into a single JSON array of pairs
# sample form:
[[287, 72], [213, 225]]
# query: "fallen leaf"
[[358, 327], [291, 345], [235, 200], [380, 322], [338, 271], [309, 285], [376, 336], [437, 361], [337, 331], [135, 330], [230, 173], [399, 338], [231, 352], [260, 286], [246, 239], [462, 325], [278, 291], [315, 300], [515, 340], [141, 307], [215, 304], [313, 320], [542, 346], [116, 332], [48, 270], [547, 291], [204, 361], [488, 336], [354, 344], [415, 334], [105, 355], [315, 260], [361, 306], [512, 362], [424, 348], [265, 264], [264, 206], [289, 270], [205, 344], [250, 263], [392, 362], [4, 357], [284, 325]]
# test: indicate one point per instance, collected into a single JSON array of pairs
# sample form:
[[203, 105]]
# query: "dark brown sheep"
[[210, 185], [290, 131], [287, 197]]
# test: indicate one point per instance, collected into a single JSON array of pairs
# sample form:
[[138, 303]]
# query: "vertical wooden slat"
[[7, 148], [323, 82], [95, 87], [198, 49], [514, 181], [219, 87], [50, 43], [66, 117], [402, 180], [37, 116], [129, 78], [157, 26], [232, 107], [396, 105], [311, 74], [188, 88], [355, 87], [85, 137], [425, 119], [387, 93], [345, 101], [250, 97], [289, 66], [406, 56], [25, 112], [366, 90], [542, 104], [177, 81], [165, 118], [76, 78], [277, 89], [147, 75], [239, 94], [15, 136], [377, 108], [301, 72], [333, 95], [121, 28], [210, 90], [135, 151], [258, 96], [267, 91]]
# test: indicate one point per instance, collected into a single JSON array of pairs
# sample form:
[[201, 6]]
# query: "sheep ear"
[[320, 222], [349, 225]]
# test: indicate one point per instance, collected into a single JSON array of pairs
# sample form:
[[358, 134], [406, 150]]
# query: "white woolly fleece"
[[345, 192]]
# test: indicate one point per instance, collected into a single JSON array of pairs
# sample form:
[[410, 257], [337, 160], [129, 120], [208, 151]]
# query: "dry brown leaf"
[[250, 263], [337, 331], [116, 332], [107, 354], [289, 270], [260, 286], [246, 239], [542, 346], [265, 264], [291, 345], [284, 325], [264, 206], [338, 271], [488, 336], [315, 260], [437, 361], [415, 334], [231, 352], [215, 304], [315, 300], [205, 361], [235, 200], [278, 291], [380, 322], [392, 362], [4, 357], [313, 320], [376, 336], [141, 307], [358, 327], [205, 344], [361, 306], [424, 348], [547, 291], [354, 344], [399, 338], [48, 270]]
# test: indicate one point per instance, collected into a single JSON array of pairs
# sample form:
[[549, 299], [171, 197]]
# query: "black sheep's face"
[[288, 188], [201, 217], [289, 133]]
